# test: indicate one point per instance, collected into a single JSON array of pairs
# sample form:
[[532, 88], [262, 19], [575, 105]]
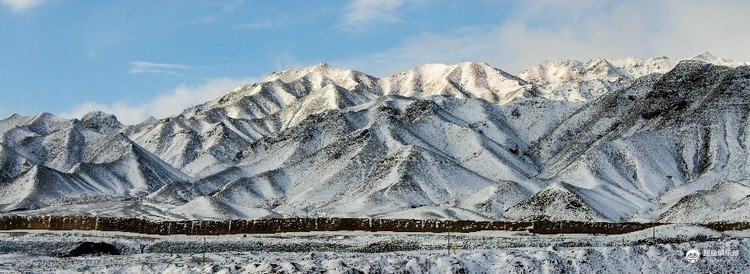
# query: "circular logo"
[[692, 256]]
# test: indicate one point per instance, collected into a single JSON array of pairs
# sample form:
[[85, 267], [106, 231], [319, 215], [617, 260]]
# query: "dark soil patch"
[[89, 248]]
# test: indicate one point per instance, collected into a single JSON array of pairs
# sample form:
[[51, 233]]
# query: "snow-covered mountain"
[[572, 80], [465, 80], [606, 139], [47, 160]]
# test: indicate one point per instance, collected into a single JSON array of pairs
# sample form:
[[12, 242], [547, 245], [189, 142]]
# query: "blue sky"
[[140, 58]]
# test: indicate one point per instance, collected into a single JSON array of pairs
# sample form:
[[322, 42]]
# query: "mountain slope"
[[608, 139], [659, 140], [47, 159], [391, 153]]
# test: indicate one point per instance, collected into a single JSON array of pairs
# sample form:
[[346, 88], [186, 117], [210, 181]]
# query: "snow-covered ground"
[[383, 252]]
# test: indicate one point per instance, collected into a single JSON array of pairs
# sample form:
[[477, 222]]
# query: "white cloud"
[[549, 30], [125, 112], [164, 105], [286, 60], [363, 12], [140, 67], [454, 47], [20, 5]]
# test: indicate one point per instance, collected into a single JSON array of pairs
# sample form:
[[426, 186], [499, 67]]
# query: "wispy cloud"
[[20, 5], [261, 24], [141, 67], [361, 13], [549, 30], [166, 104], [466, 44]]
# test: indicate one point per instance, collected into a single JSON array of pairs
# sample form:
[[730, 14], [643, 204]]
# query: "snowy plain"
[[382, 252]]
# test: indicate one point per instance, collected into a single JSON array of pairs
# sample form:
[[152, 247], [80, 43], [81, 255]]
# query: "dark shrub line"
[[261, 226]]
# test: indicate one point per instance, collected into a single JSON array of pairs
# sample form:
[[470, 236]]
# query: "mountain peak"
[[316, 73], [565, 79], [476, 65], [101, 122], [705, 56], [713, 59], [97, 115], [44, 123], [441, 68], [463, 80], [296, 72], [44, 115]]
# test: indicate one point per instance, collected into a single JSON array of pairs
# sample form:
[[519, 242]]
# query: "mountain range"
[[626, 139]]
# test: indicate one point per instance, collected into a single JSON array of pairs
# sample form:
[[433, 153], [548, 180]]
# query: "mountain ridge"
[[437, 140]]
